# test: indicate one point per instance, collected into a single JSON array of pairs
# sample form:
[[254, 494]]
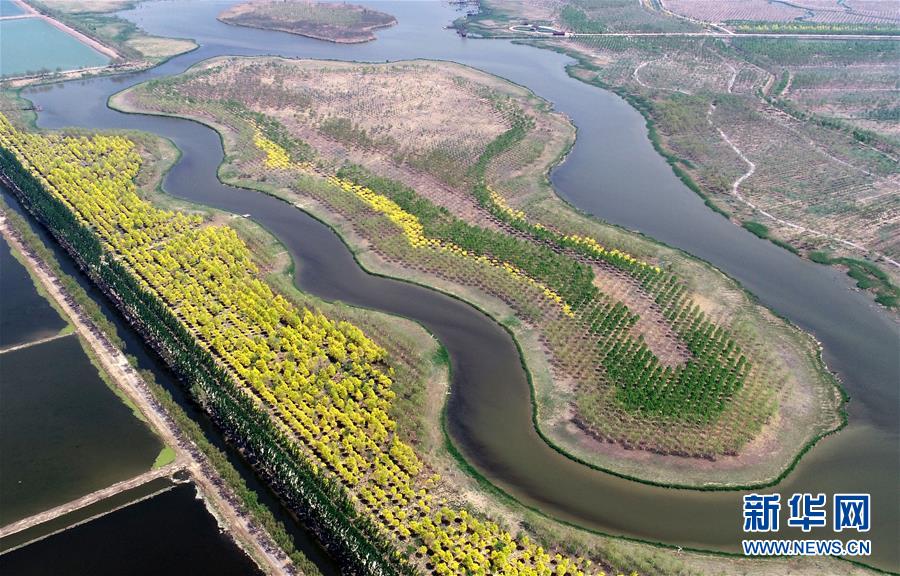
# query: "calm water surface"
[[171, 533], [10, 8], [28, 45], [63, 432], [25, 315], [613, 173]]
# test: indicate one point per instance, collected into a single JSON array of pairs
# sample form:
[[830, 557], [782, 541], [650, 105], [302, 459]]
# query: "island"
[[332, 21]]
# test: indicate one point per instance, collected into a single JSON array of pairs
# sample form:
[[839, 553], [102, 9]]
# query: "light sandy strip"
[[89, 499], [35, 342]]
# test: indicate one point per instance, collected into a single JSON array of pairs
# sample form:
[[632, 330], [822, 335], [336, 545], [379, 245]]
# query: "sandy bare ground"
[[220, 501]]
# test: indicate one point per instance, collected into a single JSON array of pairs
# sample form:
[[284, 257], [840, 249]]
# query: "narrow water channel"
[[612, 172]]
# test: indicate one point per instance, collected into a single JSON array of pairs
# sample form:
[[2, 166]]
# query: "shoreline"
[[680, 173], [117, 64], [449, 448], [32, 12]]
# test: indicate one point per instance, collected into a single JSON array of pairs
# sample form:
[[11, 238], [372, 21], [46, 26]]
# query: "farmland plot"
[[826, 11], [810, 185]]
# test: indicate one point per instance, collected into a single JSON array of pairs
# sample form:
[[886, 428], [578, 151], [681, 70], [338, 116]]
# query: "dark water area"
[[614, 173], [171, 533], [63, 432], [25, 315], [85, 514]]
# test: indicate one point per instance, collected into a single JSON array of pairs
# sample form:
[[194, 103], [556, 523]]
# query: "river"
[[614, 173]]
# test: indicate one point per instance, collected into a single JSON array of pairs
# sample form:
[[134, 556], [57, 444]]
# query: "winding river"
[[614, 173]]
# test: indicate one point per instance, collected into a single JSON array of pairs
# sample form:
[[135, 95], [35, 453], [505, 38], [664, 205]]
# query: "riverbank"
[[707, 99], [486, 498], [647, 559], [553, 394]]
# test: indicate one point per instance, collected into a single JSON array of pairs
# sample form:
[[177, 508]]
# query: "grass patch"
[[756, 229], [166, 456], [867, 275]]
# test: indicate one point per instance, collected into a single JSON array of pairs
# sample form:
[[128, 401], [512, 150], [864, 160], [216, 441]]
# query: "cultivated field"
[[436, 170], [593, 16], [336, 22], [807, 11]]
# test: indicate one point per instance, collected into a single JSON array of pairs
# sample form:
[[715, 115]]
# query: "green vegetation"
[[781, 84], [832, 158], [571, 279], [337, 22], [324, 504], [868, 276], [98, 21], [697, 391], [577, 21], [166, 456], [619, 16], [756, 228], [679, 385], [313, 416], [343, 130], [769, 52]]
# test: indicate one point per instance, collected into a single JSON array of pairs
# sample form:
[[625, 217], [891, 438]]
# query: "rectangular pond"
[[63, 432], [25, 315], [10, 8], [32, 45], [171, 533]]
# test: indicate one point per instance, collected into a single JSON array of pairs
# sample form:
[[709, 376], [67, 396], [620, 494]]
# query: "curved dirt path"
[[751, 169]]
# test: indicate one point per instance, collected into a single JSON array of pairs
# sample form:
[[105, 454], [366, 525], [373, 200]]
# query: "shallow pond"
[[30, 45]]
